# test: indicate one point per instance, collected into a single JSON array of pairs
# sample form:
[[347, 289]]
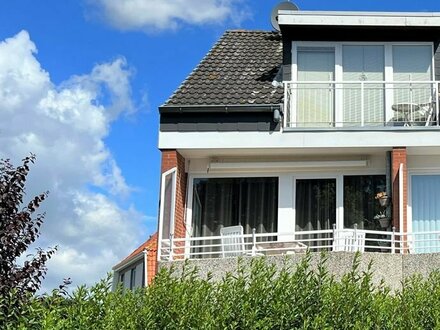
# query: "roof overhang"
[[361, 19], [127, 262]]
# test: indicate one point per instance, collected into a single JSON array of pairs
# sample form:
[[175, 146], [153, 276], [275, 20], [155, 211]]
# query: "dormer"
[[352, 70]]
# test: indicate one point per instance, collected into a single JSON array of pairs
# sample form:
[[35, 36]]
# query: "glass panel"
[[315, 208], [363, 63], [315, 102], [425, 213], [360, 206], [412, 63], [223, 202], [168, 206]]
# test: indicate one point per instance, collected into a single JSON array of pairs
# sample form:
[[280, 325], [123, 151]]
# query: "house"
[[137, 269], [322, 135]]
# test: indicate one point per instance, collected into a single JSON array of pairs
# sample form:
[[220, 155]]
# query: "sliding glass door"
[[315, 102], [315, 209], [223, 202], [365, 106]]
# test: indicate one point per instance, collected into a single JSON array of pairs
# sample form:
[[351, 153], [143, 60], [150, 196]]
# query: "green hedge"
[[258, 297]]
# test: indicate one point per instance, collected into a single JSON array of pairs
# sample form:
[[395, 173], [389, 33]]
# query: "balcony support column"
[[399, 181]]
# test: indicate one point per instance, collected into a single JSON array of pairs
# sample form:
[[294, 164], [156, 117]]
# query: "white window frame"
[[286, 194], [411, 173], [388, 70], [172, 172]]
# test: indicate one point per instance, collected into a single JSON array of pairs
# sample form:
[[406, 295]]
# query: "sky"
[[80, 84]]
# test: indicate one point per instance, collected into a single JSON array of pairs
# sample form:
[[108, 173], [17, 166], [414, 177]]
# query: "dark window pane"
[[132, 278], [360, 207], [168, 205], [315, 205], [223, 202]]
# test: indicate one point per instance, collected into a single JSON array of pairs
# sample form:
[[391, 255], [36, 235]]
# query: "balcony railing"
[[257, 244], [357, 104]]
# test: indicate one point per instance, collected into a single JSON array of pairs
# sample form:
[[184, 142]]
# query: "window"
[[315, 209], [360, 206], [132, 278], [223, 202], [343, 84], [168, 192], [121, 279]]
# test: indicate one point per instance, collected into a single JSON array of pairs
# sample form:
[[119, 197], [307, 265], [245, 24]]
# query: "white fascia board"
[[304, 139], [299, 18], [127, 263]]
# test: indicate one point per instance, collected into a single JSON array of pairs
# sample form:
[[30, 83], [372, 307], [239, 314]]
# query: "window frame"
[[132, 278], [338, 72], [172, 172]]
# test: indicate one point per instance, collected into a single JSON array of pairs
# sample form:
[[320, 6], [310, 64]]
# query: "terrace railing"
[[361, 104], [257, 244]]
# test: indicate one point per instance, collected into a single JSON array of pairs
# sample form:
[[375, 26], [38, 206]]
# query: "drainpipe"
[[145, 252]]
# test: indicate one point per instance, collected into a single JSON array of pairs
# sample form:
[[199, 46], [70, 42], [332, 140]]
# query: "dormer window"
[[343, 84]]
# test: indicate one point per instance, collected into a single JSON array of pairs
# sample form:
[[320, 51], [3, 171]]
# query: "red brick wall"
[[398, 156], [172, 159], [151, 263]]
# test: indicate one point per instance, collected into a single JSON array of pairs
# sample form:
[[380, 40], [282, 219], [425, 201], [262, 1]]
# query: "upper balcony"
[[370, 105]]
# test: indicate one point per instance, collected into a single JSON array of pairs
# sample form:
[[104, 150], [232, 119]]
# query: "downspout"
[[145, 252]]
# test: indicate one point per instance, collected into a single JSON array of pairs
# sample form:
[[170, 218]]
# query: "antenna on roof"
[[286, 5]]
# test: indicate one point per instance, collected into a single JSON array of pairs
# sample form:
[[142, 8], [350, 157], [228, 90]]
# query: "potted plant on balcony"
[[383, 219], [383, 198]]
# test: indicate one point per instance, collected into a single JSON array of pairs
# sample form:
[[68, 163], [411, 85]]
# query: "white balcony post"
[[362, 104], [436, 100], [393, 241], [334, 238], [171, 247], [355, 236], [254, 241], [286, 105]]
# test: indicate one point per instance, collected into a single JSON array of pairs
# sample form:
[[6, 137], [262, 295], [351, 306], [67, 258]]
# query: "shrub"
[[259, 296]]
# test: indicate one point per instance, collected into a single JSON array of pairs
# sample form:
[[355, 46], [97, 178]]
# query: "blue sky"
[[119, 62]]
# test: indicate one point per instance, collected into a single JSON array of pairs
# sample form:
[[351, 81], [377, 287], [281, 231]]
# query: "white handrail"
[[314, 240]]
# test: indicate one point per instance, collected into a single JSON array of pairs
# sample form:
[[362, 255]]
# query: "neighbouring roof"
[[238, 70], [149, 245]]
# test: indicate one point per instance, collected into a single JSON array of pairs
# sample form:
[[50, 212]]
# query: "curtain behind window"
[[315, 208], [223, 202], [360, 207]]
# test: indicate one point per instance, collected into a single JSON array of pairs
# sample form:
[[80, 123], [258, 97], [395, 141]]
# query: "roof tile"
[[239, 69]]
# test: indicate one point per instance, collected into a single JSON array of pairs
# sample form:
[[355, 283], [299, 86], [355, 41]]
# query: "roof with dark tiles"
[[238, 70]]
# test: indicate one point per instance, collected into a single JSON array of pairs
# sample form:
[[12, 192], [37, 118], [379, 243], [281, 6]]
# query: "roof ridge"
[[252, 31]]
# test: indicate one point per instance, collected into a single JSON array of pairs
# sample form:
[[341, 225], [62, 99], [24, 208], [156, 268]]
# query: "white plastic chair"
[[349, 241], [232, 241]]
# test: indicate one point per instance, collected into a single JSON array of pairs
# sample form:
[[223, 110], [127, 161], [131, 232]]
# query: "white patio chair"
[[233, 242], [349, 241]]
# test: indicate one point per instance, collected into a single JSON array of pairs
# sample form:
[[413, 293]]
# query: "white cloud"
[[65, 126], [153, 15]]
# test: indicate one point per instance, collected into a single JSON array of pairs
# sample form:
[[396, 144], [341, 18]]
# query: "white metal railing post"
[[362, 104], [437, 99], [254, 241], [171, 247], [355, 237], [286, 107], [335, 243], [393, 240]]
